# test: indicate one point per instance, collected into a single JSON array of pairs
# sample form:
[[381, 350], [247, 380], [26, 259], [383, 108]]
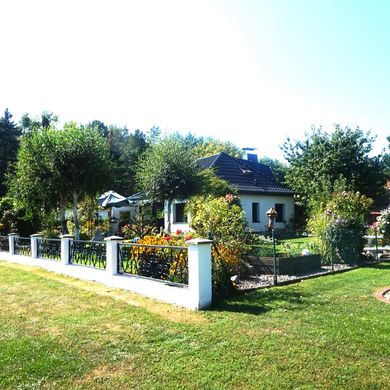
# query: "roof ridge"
[[217, 156]]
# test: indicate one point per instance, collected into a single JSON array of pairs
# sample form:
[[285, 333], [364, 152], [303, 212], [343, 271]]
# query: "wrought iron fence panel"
[[23, 246], [4, 244], [49, 248], [89, 253], [168, 263]]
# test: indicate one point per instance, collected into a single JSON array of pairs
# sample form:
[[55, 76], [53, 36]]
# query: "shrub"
[[224, 221], [89, 228], [141, 224], [339, 226]]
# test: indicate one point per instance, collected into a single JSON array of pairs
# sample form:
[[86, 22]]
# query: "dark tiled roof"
[[247, 176]]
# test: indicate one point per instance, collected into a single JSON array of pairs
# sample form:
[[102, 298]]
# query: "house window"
[[279, 208], [179, 215], [255, 212]]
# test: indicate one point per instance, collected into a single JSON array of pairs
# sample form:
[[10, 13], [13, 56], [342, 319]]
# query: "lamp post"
[[272, 214]]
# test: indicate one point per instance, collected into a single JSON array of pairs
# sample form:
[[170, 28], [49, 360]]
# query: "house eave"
[[273, 193]]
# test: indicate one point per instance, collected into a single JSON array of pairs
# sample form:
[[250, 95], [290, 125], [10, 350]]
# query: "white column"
[[11, 238], [112, 254], [199, 272], [65, 246], [34, 244]]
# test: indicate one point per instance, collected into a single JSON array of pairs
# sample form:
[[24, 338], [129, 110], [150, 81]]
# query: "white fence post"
[[112, 254], [199, 272], [11, 238], [34, 244], [65, 248]]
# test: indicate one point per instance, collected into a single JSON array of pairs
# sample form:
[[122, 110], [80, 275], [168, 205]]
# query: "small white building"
[[257, 188]]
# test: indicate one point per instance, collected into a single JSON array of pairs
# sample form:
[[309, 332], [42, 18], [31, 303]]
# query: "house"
[[257, 189]]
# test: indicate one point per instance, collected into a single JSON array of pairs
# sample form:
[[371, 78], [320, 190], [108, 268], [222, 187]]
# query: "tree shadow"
[[264, 300], [384, 265]]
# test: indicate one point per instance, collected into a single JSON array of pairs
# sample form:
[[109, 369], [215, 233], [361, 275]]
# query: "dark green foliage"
[[327, 162], [9, 142], [13, 219], [34, 184], [57, 167], [46, 120], [125, 149], [277, 167], [167, 170], [348, 244], [386, 159]]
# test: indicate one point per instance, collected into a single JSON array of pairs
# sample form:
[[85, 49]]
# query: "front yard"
[[57, 332]]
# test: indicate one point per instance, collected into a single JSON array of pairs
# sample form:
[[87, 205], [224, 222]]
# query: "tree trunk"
[[169, 216], [64, 228], [75, 218]]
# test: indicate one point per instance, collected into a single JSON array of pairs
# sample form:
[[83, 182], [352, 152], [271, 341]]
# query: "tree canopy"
[[209, 146], [125, 148], [57, 167], [168, 171], [9, 142], [325, 162], [47, 119]]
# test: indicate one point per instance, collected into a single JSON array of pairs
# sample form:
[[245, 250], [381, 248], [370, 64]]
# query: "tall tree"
[[207, 146], [325, 162], [57, 167], [386, 159], [277, 167], [44, 121], [82, 164], [125, 150], [9, 142], [168, 172]]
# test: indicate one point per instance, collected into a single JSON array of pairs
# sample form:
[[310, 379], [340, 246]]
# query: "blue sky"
[[252, 72]]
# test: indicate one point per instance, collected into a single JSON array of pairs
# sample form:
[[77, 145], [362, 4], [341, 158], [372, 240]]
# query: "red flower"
[[178, 232], [168, 238]]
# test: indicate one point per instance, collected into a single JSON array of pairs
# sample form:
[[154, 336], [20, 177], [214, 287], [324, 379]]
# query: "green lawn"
[[57, 332]]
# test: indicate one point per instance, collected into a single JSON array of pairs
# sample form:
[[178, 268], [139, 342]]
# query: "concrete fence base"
[[196, 295]]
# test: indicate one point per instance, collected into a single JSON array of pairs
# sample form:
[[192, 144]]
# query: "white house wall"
[[183, 226], [266, 202]]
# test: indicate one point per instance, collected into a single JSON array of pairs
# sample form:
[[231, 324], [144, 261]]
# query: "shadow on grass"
[[264, 300], [382, 265]]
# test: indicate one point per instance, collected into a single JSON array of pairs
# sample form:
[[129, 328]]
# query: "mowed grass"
[[61, 333]]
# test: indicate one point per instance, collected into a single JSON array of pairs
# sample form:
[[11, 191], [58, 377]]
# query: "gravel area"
[[259, 281]]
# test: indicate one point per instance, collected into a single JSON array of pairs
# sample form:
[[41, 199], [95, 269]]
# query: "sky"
[[252, 72]]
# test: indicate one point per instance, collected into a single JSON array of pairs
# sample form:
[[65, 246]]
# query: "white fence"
[[57, 256]]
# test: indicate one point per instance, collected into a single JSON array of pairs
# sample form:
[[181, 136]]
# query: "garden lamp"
[[271, 214]]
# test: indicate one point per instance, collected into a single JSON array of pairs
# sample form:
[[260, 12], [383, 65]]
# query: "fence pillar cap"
[[199, 241], [114, 238], [66, 236], [13, 234], [36, 235]]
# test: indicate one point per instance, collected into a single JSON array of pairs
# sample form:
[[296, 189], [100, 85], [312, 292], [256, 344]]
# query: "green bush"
[[339, 226], [224, 221]]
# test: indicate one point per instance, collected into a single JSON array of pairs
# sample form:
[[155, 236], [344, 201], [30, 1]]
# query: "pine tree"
[[9, 143]]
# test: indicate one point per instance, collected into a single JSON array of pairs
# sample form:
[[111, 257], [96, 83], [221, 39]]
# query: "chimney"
[[248, 155]]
